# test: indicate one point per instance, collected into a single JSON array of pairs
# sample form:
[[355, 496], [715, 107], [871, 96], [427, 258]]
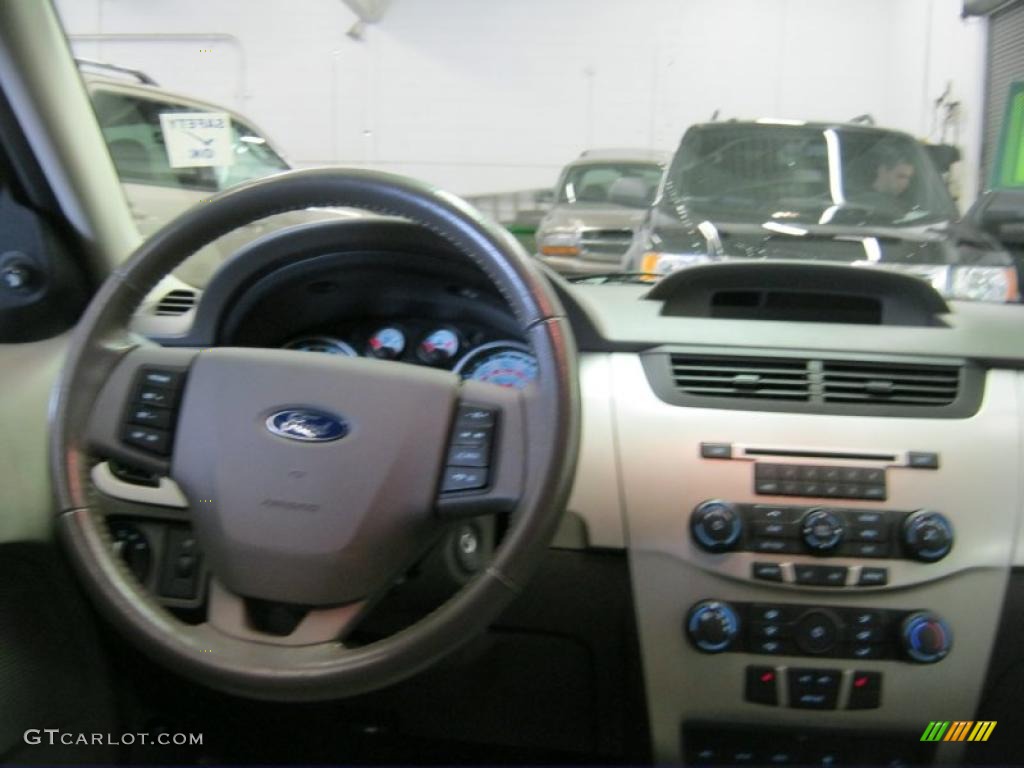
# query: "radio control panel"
[[720, 526]]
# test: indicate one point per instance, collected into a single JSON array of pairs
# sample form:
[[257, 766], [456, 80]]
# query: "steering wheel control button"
[[467, 456], [716, 526], [813, 688], [160, 378], [716, 450], [469, 453], [475, 417], [762, 686], [153, 440], [156, 396], [873, 577], [712, 626], [821, 575], [927, 535], [463, 479], [817, 632], [470, 436], [149, 419], [926, 638], [865, 690], [767, 571], [922, 460], [822, 530], [148, 416]]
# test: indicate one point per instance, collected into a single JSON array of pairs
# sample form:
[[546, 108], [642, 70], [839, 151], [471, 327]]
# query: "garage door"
[[1005, 66]]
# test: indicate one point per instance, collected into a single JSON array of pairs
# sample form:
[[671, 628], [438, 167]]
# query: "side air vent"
[[176, 302], [764, 378], [884, 384]]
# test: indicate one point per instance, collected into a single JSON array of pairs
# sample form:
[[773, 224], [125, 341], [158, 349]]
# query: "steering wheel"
[[313, 480]]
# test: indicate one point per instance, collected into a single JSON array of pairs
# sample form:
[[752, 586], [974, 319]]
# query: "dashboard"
[[823, 520]]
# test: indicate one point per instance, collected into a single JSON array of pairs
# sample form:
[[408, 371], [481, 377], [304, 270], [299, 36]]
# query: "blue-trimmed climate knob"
[[716, 526], [927, 535], [926, 637], [822, 530], [712, 626]]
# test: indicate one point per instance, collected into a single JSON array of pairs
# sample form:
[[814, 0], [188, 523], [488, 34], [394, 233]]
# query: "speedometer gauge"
[[325, 344], [505, 363]]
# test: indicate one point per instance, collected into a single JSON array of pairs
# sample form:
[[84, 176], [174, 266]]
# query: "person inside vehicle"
[[893, 173]]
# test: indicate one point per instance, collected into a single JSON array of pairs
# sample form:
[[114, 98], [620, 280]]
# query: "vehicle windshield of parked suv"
[[587, 184], [807, 174]]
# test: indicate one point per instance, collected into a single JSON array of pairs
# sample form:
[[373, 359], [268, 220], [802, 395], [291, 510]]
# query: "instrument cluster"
[[466, 351]]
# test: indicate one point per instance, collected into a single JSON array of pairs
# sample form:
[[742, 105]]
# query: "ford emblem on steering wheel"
[[307, 425]]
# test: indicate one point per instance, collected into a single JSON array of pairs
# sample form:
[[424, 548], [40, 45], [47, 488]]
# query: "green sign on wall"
[[1009, 168]]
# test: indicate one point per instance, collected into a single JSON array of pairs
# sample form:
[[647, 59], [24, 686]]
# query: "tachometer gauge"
[[438, 347], [505, 363], [387, 344], [325, 344]]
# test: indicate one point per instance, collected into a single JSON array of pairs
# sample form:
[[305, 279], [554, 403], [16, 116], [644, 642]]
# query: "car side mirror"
[[544, 197], [631, 193], [1000, 213]]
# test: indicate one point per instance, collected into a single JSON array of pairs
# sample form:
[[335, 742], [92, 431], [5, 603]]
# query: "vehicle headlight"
[[560, 242], [659, 263], [985, 284], [994, 284]]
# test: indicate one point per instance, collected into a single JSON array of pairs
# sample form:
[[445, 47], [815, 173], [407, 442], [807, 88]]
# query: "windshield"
[[597, 183], [814, 175], [605, 141]]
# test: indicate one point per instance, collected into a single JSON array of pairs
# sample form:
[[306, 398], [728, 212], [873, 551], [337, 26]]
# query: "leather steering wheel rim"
[[102, 341]]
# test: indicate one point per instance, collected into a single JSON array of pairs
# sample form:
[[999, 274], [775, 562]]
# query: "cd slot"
[[817, 454]]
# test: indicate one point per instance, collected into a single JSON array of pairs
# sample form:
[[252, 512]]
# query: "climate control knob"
[[926, 638], [712, 626], [716, 526], [927, 535], [822, 530]]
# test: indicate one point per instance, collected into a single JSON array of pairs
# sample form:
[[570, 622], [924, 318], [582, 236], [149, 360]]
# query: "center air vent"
[[881, 386], [763, 378], [176, 302], [885, 384]]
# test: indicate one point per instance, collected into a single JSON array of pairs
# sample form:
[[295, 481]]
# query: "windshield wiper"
[[607, 278]]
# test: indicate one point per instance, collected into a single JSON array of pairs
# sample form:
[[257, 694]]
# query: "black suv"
[[846, 193]]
